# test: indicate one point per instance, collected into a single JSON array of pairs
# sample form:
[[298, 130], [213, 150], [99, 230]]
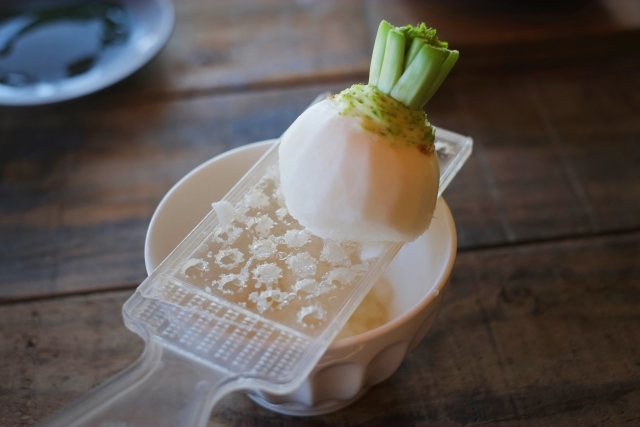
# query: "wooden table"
[[541, 323]]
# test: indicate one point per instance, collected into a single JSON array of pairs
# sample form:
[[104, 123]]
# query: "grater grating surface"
[[237, 340]]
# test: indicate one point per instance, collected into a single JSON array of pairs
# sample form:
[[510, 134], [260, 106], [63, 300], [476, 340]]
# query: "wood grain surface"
[[521, 34], [540, 323], [545, 333], [79, 188]]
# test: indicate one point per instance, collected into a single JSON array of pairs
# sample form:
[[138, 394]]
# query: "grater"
[[249, 299]]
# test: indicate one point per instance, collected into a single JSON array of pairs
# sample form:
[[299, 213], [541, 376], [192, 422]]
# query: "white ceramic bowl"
[[418, 275]]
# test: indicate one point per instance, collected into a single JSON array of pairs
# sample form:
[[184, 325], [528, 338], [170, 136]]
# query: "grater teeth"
[[235, 340]]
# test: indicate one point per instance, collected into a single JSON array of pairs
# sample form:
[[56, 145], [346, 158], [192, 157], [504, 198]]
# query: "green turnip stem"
[[444, 71], [378, 52], [393, 61], [414, 48], [418, 79], [409, 63]]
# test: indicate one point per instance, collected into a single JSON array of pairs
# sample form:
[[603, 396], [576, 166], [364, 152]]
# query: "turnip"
[[361, 165]]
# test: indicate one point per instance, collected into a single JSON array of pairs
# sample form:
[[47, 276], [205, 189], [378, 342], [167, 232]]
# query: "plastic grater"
[[248, 300]]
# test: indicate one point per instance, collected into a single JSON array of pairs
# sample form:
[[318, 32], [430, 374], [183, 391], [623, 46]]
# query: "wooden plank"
[[492, 21], [559, 317], [522, 167], [226, 45], [555, 162], [592, 116], [539, 334], [497, 33], [79, 187]]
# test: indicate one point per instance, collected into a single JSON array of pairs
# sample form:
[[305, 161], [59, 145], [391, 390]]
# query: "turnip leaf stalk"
[[392, 62], [410, 63], [378, 52]]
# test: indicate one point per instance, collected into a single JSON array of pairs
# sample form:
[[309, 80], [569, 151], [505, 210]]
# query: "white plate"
[[150, 25]]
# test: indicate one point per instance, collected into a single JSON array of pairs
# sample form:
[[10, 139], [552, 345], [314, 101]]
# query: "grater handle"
[[161, 389]]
